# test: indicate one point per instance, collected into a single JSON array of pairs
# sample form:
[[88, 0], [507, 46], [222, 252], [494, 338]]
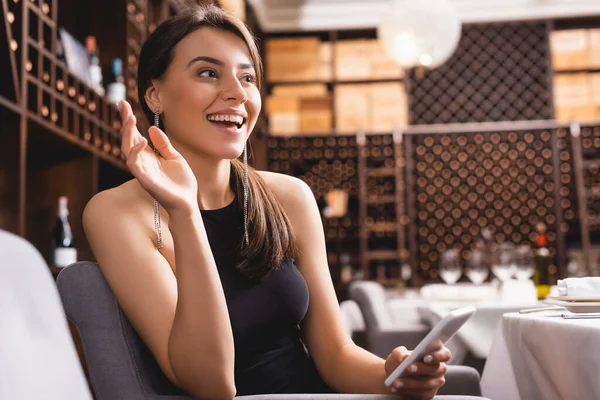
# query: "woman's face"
[[209, 94]]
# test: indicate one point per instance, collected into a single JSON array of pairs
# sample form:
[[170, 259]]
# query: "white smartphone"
[[443, 331]]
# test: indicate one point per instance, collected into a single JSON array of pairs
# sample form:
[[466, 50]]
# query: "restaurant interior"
[[452, 148]]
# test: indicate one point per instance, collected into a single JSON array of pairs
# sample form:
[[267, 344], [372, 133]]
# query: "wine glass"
[[478, 266], [503, 262], [523, 262], [450, 268]]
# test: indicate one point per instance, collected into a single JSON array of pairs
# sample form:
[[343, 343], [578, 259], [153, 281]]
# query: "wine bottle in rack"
[[117, 91], [95, 69], [63, 252]]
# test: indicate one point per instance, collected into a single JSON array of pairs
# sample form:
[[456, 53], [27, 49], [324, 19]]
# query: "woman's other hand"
[[422, 379], [168, 177]]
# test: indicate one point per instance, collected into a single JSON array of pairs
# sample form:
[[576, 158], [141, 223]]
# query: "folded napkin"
[[579, 287]]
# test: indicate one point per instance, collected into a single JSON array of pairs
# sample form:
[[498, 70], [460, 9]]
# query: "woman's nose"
[[233, 90]]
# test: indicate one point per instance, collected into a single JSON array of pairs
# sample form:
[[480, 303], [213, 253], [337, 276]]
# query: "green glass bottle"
[[541, 263]]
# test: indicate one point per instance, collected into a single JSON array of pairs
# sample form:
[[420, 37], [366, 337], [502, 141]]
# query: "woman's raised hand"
[[168, 177], [423, 379]]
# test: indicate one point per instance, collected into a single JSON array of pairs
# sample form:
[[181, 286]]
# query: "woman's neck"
[[212, 175]]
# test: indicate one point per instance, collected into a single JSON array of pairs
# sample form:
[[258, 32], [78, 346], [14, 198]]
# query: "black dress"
[[265, 316]]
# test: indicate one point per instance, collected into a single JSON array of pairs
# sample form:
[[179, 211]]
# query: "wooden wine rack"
[[47, 92]]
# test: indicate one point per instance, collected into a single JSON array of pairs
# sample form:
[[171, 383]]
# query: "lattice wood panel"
[[499, 72]]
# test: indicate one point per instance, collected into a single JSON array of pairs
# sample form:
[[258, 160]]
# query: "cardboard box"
[[572, 90], [580, 113], [594, 80], [352, 108], [316, 121], [284, 124], [282, 104], [352, 59], [308, 90], [594, 35], [570, 49]]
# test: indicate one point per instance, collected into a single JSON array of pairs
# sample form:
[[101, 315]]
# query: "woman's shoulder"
[[292, 193], [286, 188], [123, 201]]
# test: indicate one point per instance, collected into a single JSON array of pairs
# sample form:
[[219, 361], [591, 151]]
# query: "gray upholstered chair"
[[120, 366], [385, 331]]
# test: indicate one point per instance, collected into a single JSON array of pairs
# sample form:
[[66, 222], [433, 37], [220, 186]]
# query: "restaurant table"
[[475, 336], [537, 356]]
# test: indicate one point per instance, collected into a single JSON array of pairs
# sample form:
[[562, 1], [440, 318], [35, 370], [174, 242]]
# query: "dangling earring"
[[159, 243], [246, 195]]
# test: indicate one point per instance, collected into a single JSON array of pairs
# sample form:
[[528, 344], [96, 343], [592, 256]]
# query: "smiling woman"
[[234, 294]]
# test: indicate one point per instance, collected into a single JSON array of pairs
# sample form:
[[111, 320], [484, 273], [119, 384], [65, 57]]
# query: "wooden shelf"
[[337, 82], [381, 255], [577, 71], [591, 163], [592, 194], [381, 172], [374, 199], [47, 20], [381, 226]]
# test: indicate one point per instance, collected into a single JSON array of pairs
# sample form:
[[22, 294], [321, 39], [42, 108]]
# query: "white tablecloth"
[[543, 357], [476, 334]]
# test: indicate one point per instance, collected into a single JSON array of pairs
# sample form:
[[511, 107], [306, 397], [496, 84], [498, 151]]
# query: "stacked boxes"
[[575, 49], [376, 107], [294, 109], [577, 96], [298, 59], [362, 60], [300, 108]]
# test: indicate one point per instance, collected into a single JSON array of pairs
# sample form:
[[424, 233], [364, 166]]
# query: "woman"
[[218, 282]]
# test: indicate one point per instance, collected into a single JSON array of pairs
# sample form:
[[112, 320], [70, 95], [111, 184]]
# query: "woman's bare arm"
[[184, 320]]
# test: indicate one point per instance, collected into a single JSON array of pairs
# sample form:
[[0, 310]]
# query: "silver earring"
[[159, 243], [246, 195]]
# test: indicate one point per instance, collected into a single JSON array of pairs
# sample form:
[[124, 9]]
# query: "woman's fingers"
[[441, 355], [133, 159], [419, 384], [421, 369], [162, 143], [129, 133]]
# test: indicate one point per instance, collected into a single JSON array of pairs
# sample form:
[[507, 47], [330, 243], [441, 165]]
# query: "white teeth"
[[229, 118]]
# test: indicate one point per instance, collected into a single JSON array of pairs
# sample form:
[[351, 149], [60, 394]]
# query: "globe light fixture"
[[420, 33]]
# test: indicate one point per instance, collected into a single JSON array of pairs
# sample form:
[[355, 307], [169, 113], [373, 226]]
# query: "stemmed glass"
[[503, 262], [523, 262], [450, 268], [478, 266]]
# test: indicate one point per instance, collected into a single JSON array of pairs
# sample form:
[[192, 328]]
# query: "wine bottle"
[[541, 263], [95, 69], [64, 252], [116, 90]]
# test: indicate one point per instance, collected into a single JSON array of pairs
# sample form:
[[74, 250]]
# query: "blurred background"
[[445, 141]]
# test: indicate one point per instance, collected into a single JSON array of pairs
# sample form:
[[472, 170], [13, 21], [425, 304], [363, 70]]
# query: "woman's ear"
[[152, 96]]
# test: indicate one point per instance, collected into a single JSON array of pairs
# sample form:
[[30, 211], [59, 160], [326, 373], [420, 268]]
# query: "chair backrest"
[[372, 301], [38, 359], [119, 363]]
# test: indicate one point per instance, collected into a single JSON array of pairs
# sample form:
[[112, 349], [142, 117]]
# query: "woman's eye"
[[207, 73], [249, 78]]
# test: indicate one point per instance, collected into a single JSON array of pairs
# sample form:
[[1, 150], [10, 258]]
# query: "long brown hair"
[[271, 240]]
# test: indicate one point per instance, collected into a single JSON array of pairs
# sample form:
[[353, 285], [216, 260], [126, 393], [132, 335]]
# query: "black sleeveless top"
[[265, 316]]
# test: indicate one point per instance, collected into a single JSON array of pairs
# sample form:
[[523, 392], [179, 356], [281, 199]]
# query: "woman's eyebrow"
[[217, 62]]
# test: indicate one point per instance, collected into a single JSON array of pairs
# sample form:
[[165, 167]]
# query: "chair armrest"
[[461, 380]]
